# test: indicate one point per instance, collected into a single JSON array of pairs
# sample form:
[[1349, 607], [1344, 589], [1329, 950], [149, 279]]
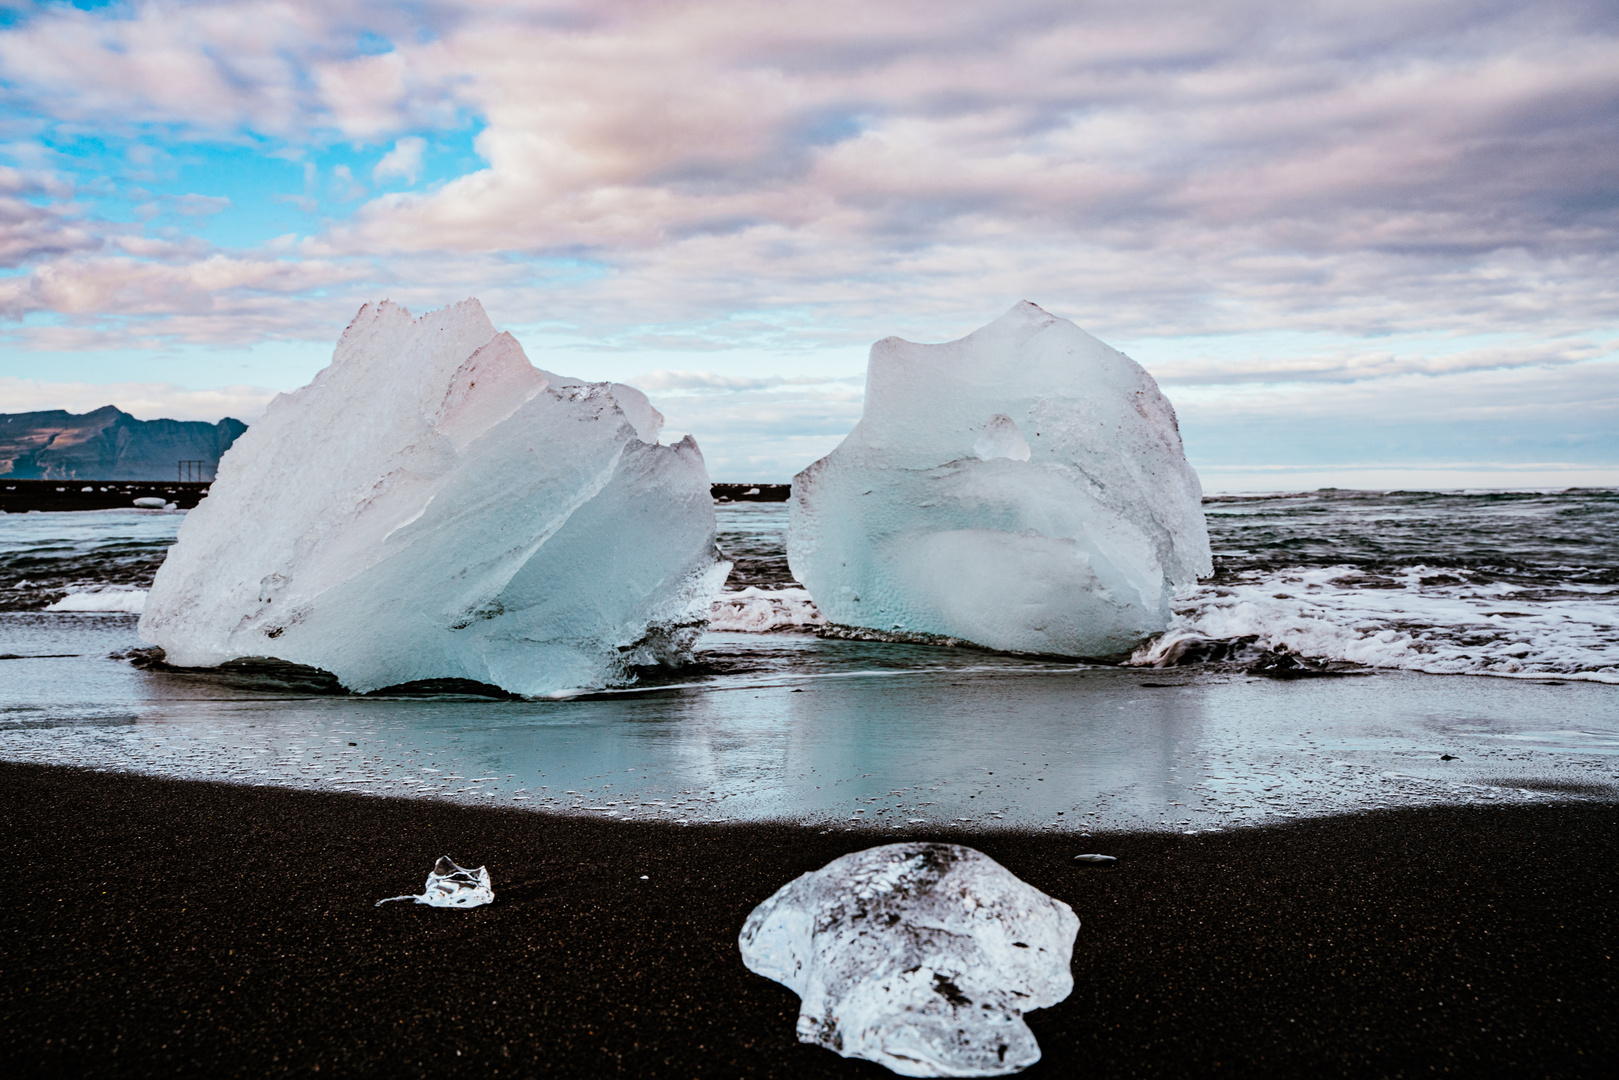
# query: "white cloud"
[[215, 68], [143, 400], [344, 187], [30, 231], [123, 286], [762, 435], [709, 382], [199, 205], [1394, 168], [1355, 366], [1370, 179], [404, 161]]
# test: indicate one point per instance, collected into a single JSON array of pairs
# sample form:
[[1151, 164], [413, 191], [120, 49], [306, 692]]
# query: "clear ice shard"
[[1023, 488], [449, 885], [922, 957], [432, 506]]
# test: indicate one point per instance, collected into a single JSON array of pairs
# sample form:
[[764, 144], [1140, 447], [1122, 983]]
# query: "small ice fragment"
[[1095, 858], [922, 957], [150, 503], [454, 886]]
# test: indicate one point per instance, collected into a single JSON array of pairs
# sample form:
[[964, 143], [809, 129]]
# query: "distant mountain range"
[[110, 444]]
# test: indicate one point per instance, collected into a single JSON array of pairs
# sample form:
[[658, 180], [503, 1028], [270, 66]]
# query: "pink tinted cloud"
[[267, 66], [1156, 168], [30, 231], [1313, 159], [121, 286]]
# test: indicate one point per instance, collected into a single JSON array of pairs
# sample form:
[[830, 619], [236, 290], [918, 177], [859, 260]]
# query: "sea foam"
[[758, 611], [118, 601], [1419, 618]]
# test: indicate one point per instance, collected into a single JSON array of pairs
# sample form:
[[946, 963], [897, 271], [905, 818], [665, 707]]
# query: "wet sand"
[[158, 927]]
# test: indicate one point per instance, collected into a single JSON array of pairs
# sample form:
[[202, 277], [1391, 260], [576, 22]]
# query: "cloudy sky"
[[1361, 243]]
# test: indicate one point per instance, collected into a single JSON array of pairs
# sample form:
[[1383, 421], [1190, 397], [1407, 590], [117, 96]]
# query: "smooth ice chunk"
[[432, 506], [922, 957], [449, 885], [1023, 488]]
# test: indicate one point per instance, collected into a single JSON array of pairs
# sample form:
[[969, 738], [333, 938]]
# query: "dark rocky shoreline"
[[159, 927], [21, 496]]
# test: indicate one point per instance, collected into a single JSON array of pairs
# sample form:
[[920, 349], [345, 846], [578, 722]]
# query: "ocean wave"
[[1421, 618], [125, 601]]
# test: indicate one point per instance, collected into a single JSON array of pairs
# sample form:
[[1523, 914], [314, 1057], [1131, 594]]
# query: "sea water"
[[1461, 648]]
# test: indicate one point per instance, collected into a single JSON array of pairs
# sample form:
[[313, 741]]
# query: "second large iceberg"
[[1023, 488], [433, 506]]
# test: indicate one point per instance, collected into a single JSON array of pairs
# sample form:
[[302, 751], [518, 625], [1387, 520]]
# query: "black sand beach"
[[166, 928]]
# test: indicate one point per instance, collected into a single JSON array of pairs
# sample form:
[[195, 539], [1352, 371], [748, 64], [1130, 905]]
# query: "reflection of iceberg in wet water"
[[449, 885], [822, 728], [1023, 488], [828, 726], [431, 507]]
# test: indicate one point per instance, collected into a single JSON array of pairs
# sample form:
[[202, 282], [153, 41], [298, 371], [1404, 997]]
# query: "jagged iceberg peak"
[[1023, 488], [433, 506]]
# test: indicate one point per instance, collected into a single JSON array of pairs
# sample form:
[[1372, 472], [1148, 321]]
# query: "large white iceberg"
[[921, 956], [1023, 488], [432, 506]]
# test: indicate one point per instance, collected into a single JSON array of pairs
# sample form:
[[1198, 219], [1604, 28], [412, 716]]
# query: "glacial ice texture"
[[1023, 488], [449, 885], [922, 957], [432, 506]]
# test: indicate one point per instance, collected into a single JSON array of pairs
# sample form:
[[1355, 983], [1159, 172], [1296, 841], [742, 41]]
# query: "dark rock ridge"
[[110, 444], [751, 492], [21, 496], [18, 496]]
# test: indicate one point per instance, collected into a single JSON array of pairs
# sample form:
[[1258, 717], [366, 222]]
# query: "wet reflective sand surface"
[[838, 734]]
